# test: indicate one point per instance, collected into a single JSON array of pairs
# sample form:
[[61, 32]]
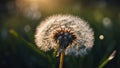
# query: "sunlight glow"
[[30, 8]]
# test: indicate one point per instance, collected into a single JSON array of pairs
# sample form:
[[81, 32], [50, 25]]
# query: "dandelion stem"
[[61, 59]]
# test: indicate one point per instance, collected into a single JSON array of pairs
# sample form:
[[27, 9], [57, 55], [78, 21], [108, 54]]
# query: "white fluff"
[[80, 28]]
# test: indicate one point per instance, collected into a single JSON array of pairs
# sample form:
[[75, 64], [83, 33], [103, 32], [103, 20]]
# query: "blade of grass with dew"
[[107, 60], [32, 46]]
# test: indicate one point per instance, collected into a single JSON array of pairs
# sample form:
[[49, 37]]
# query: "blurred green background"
[[19, 18]]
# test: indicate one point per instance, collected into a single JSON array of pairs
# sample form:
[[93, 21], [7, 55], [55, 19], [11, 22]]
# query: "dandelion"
[[66, 33]]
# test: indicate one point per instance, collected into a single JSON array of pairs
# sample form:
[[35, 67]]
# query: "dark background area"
[[19, 18]]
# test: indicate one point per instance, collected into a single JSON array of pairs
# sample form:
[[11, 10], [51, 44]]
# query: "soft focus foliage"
[[19, 19]]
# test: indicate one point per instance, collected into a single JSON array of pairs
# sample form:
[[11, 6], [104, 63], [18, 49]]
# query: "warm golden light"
[[29, 8]]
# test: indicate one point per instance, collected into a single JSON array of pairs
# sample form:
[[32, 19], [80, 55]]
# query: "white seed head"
[[84, 35]]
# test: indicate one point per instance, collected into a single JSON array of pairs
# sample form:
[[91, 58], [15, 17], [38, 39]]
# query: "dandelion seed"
[[70, 32]]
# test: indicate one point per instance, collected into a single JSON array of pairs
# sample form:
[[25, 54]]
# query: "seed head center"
[[64, 38]]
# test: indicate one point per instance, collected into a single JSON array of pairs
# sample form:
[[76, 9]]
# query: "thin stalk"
[[107, 60], [61, 59]]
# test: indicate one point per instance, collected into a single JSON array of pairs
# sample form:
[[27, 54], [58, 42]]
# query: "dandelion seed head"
[[72, 32]]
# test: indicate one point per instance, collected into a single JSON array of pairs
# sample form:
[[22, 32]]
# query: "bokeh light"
[[101, 37], [27, 28], [107, 22]]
